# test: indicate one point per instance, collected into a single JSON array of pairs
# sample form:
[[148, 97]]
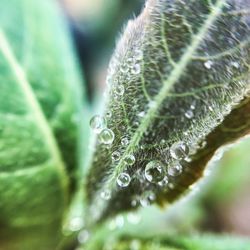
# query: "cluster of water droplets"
[[99, 126]]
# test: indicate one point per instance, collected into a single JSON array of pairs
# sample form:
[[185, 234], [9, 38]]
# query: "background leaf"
[[204, 242], [40, 106], [180, 74]]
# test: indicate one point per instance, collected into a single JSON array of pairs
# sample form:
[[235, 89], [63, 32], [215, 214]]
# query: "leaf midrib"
[[36, 110], [160, 97]]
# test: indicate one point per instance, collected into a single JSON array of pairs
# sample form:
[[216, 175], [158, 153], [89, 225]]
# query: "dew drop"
[[175, 169], [124, 141], [154, 171], [123, 180], [115, 156], [106, 136], [106, 194], [97, 123], [189, 114], [208, 64], [129, 160], [119, 90], [235, 65], [179, 150], [109, 114], [136, 69], [147, 198], [163, 182]]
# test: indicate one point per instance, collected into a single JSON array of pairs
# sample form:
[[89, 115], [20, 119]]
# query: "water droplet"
[[189, 114], [106, 136], [193, 105], [106, 194], [235, 65], [136, 69], [179, 150], [124, 141], [117, 222], [129, 160], [163, 182], [123, 180], [115, 156], [154, 171], [97, 123], [208, 64], [175, 169], [119, 89], [83, 236], [147, 198], [109, 114]]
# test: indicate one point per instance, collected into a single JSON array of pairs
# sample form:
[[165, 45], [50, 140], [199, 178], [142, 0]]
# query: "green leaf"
[[184, 68], [204, 242], [40, 104]]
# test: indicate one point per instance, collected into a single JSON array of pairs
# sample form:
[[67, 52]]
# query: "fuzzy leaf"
[[184, 69], [39, 104]]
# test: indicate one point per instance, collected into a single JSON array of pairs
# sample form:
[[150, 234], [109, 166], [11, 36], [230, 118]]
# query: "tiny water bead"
[[175, 169], [208, 64], [138, 54], [147, 198], [154, 171], [83, 236], [97, 123], [124, 141], [119, 89], [136, 69], [189, 114], [106, 136], [106, 194], [109, 114], [179, 150], [129, 159], [115, 156], [123, 180], [163, 182]]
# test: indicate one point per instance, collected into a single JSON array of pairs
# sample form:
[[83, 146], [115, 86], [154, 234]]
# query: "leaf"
[[204, 242], [180, 74], [40, 102]]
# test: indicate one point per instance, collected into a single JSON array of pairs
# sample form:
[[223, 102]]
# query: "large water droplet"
[[154, 171], [97, 123], [129, 159], [179, 150], [123, 180], [115, 156], [106, 136], [175, 169], [106, 194]]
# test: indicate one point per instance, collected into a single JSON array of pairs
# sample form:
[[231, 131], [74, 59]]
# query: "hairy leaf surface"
[[184, 68], [39, 104]]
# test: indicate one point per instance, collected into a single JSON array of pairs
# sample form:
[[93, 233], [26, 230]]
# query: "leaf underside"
[[39, 104], [184, 66]]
